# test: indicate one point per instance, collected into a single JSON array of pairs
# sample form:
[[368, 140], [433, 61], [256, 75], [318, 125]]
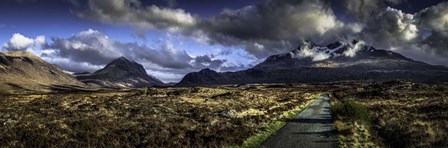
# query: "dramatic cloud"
[[264, 29], [424, 52], [362, 10], [318, 53], [390, 28], [275, 20], [206, 61], [434, 20], [70, 65], [87, 46], [90, 50], [270, 27], [437, 41], [308, 51], [131, 12], [352, 50], [274, 26], [419, 36], [20, 42]]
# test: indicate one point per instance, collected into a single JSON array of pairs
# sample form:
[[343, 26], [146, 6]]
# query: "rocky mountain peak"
[[207, 70], [123, 64], [121, 72], [121, 61]]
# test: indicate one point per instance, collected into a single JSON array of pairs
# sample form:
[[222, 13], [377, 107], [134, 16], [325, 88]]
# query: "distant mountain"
[[120, 73], [22, 72], [340, 61]]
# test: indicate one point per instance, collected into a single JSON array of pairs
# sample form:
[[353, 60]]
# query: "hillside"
[[22, 72]]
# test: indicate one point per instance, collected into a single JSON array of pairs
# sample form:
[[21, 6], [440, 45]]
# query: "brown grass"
[[404, 114], [401, 114], [164, 117]]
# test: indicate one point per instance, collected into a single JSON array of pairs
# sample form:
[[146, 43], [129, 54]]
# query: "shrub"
[[351, 110]]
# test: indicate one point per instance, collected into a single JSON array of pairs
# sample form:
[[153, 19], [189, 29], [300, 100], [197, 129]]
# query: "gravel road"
[[313, 127]]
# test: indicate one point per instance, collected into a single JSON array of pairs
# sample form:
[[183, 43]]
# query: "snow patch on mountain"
[[352, 50], [308, 49]]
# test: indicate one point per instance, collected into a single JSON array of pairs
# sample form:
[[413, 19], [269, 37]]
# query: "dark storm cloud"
[[274, 20], [434, 20], [273, 26], [390, 28], [362, 9], [206, 61], [276, 26], [131, 12], [263, 29], [270, 27], [88, 46], [438, 41], [420, 35]]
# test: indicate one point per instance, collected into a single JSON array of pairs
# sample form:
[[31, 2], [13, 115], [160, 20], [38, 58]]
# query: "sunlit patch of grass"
[[257, 139]]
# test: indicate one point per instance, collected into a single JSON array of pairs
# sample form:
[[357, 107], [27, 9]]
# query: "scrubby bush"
[[351, 110]]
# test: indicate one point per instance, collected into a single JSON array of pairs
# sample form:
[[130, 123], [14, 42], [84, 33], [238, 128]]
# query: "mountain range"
[[340, 61], [23, 72]]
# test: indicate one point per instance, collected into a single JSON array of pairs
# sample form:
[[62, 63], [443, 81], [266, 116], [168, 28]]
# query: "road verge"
[[275, 125]]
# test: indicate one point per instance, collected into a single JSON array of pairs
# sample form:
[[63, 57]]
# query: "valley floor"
[[397, 114], [154, 117]]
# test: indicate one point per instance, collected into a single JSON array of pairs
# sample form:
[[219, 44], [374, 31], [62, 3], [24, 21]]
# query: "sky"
[[171, 38]]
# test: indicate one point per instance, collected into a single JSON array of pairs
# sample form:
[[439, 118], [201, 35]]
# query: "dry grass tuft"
[[404, 114]]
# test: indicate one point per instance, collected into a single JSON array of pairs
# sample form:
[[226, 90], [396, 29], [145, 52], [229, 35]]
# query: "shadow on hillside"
[[72, 89], [15, 86]]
